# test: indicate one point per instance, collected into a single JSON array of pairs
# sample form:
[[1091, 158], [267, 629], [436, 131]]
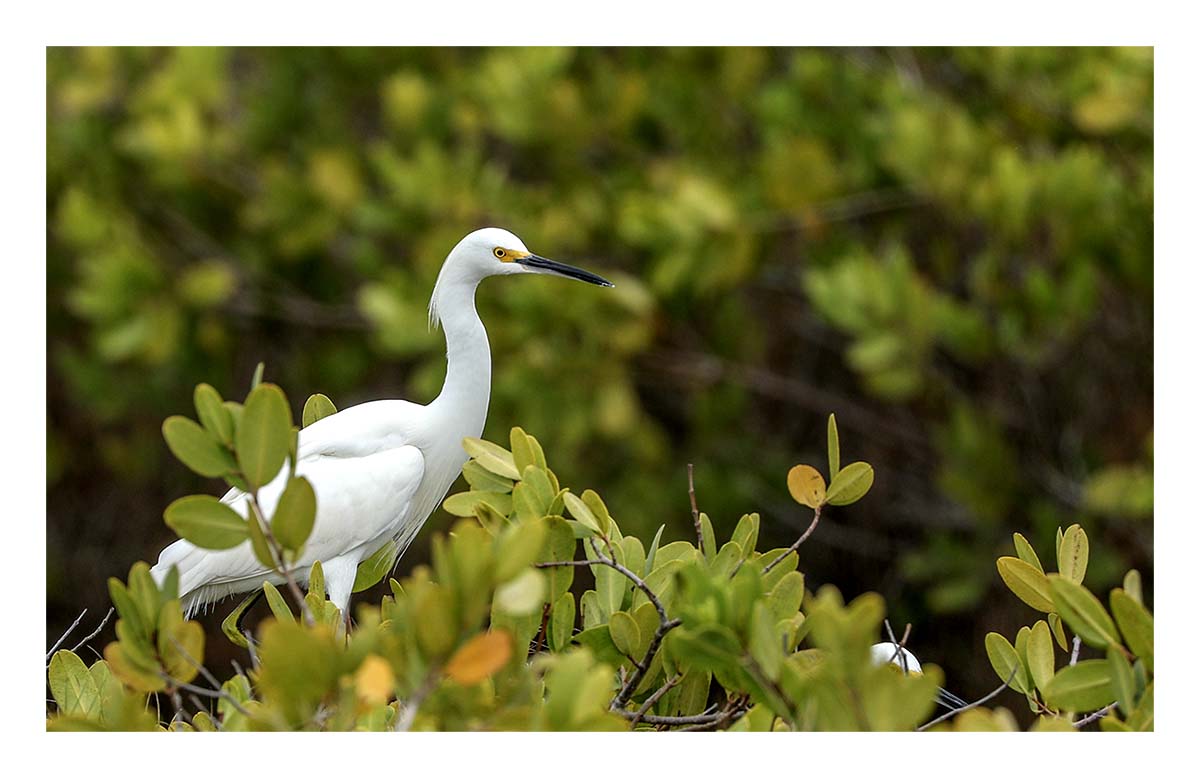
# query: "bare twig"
[[277, 553], [1075, 650], [96, 631], [1083, 722], [64, 635], [903, 642], [665, 623], [707, 717], [976, 704], [654, 698], [812, 526], [695, 510], [408, 714]]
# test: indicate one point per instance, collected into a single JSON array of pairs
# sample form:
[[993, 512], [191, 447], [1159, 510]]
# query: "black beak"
[[550, 266]]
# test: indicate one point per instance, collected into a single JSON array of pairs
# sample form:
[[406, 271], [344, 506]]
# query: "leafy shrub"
[[683, 634]]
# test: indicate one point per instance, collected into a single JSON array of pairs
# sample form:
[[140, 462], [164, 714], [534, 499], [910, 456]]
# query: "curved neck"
[[467, 389]]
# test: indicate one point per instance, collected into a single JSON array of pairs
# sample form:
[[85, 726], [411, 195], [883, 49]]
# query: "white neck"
[[465, 393]]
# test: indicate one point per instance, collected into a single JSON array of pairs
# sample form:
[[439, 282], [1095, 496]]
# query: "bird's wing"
[[364, 473]]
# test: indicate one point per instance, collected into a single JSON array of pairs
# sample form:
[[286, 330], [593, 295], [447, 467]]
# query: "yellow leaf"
[[374, 681], [480, 657], [806, 485]]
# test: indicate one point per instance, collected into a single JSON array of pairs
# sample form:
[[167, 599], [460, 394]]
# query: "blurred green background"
[[951, 249]]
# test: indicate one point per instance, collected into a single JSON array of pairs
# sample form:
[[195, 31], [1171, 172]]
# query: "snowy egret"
[[882, 653], [380, 468]]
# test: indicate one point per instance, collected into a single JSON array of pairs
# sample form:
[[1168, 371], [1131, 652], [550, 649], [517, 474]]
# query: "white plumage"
[[379, 469]]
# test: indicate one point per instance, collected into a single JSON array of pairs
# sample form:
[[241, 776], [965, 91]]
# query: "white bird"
[[882, 653], [379, 469]]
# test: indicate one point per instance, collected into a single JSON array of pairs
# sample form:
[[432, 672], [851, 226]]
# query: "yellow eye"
[[499, 252]]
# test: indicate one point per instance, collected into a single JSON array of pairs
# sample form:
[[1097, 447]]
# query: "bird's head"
[[492, 251]]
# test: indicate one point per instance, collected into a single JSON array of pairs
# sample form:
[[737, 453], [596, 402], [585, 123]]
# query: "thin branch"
[[812, 526], [665, 623], [899, 652], [695, 510], [1083, 722], [408, 715], [975, 704], [654, 698], [1075, 650], [277, 553], [96, 631], [70, 629], [218, 694], [673, 721]]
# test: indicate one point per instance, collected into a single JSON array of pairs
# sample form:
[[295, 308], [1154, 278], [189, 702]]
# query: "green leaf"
[[316, 408], [745, 534], [295, 514], [1082, 612], [1004, 658], [144, 592], [195, 448], [259, 544], [519, 547], [1084, 686], [206, 521], [582, 513], [1133, 585], [626, 635], [598, 509], [709, 537], [562, 622], [850, 484], [492, 457], [1056, 629], [463, 504], [316, 580], [278, 605], [73, 687], [230, 626], [1073, 554], [522, 595], [127, 608], [653, 552], [523, 451], [264, 434], [1026, 582], [1136, 623], [1122, 680], [766, 643], [1039, 653], [1026, 553], [213, 414], [835, 450], [372, 569], [806, 486], [483, 480], [785, 597]]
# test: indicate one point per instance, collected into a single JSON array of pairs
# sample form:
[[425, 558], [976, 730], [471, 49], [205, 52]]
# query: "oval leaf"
[[1039, 653], [1026, 553], [1004, 658], [195, 448], [492, 457], [480, 657], [73, 687], [582, 513], [316, 408], [372, 569], [264, 434], [1073, 554], [1083, 613], [1086, 685], [294, 514], [1026, 582], [213, 414], [1136, 623], [850, 484], [806, 486], [206, 521], [835, 450]]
